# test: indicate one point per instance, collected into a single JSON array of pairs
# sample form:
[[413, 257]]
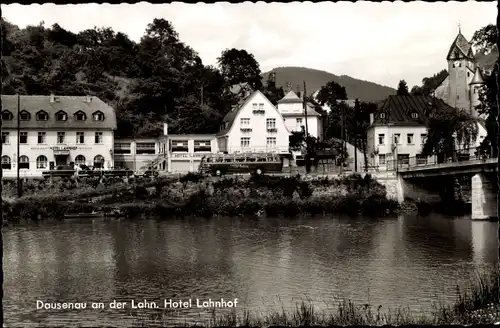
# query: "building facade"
[[55, 130], [134, 154], [185, 151], [254, 125], [399, 129], [291, 107]]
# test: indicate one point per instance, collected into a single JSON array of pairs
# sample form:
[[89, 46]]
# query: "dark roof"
[[463, 46], [68, 104], [478, 77], [231, 115], [398, 110]]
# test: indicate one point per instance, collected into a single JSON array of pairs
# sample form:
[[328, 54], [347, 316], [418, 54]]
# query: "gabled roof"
[[398, 110], [69, 104], [290, 98], [462, 45]]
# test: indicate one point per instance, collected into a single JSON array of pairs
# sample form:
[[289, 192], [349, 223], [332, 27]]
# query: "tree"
[[444, 123], [273, 93], [330, 94], [358, 122], [429, 84], [238, 66], [402, 89], [484, 39]]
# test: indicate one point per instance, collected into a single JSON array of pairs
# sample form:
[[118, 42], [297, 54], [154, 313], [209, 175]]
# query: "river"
[[406, 261]]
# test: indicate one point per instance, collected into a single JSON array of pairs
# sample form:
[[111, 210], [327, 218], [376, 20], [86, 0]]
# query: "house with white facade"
[[398, 130], [55, 130], [253, 125], [291, 107], [183, 152]]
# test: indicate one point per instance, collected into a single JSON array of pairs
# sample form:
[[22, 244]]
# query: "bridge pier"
[[484, 198]]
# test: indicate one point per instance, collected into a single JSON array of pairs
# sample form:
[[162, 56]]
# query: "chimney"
[[88, 99], [371, 118], [298, 90], [165, 129], [52, 98]]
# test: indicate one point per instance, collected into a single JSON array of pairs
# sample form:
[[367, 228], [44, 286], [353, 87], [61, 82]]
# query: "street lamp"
[[453, 149]]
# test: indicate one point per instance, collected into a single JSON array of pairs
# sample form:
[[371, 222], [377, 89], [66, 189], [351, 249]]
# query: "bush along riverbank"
[[195, 195], [480, 304]]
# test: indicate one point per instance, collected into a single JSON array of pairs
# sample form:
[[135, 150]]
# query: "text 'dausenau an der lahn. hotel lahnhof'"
[[141, 304]]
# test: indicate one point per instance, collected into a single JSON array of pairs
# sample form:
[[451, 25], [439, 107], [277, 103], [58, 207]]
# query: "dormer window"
[[42, 116], [61, 116], [24, 116], [7, 115], [382, 115], [98, 116], [414, 115], [80, 116]]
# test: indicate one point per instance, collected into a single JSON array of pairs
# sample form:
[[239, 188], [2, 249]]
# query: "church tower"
[[461, 68]]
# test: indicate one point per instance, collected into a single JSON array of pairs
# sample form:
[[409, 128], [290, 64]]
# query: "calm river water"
[[408, 261]]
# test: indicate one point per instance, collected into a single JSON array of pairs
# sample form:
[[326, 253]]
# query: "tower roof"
[[462, 45], [478, 77]]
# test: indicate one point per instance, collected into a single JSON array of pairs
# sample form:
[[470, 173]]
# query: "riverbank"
[[195, 195], [479, 305]]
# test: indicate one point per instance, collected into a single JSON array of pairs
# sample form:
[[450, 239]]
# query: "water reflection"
[[265, 263]]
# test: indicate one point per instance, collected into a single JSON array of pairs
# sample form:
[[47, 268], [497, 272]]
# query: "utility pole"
[[304, 102], [19, 187], [342, 114]]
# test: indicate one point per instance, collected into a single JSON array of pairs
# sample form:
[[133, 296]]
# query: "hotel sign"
[[61, 148], [64, 148]]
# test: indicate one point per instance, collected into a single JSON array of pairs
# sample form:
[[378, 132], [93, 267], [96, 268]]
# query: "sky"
[[378, 42]]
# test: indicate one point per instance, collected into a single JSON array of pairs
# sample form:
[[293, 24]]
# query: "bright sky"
[[379, 42]]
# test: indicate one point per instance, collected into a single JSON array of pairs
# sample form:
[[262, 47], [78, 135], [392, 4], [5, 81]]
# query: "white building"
[[55, 130], [136, 153], [398, 130], [254, 125], [291, 107]]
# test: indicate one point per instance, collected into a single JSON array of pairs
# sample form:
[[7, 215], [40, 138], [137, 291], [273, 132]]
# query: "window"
[[80, 159], [245, 122], [414, 115], [179, 145], [61, 116], [98, 116], [468, 74], [122, 148], [42, 116], [261, 106], [23, 137], [254, 106], [60, 137], [245, 142], [24, 116], [271, 123], [271, 142], [299, 121], [6, 164], [41, 137], [409, 138], [458, 97], [80, 116], [7, 116], [145, 148], [98, 138], [381, 159], [80, 137], [202, 145], [423, 136], [382, 115], [24, 162], [41, 162], [99, 162], [5, 137], [403, 158], [381, 139], [397, 137]]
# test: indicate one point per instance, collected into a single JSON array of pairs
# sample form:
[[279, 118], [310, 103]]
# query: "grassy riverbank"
[[195, 195], [479, 305]]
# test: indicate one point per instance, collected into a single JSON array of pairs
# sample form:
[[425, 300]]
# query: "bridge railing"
[[460, 155]]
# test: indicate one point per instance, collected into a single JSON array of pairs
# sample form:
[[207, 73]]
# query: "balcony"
[[272, 130], [246, 130], [259, 111]]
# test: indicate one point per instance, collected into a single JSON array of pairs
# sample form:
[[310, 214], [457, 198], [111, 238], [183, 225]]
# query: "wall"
[[314, 125], [259, 133], [185, 161], [399, 189], [32, 149], [135, 161]]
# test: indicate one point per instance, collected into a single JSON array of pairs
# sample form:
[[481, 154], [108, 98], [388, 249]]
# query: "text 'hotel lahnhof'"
[[55, 130]]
